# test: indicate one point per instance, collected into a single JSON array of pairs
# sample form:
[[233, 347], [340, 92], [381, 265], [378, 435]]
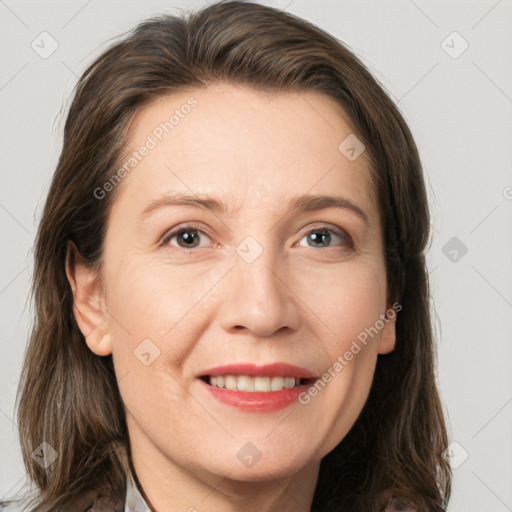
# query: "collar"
[[134, 501]]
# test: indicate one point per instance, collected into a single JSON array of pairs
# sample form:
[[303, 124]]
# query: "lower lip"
[[255, 401]]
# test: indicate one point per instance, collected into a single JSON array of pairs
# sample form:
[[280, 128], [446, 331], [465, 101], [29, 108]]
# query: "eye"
[[187, 237], [323, 235]]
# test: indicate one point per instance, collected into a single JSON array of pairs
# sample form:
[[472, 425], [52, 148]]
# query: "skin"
[[298, 302]]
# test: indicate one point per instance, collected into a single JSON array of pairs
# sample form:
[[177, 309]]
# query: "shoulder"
[[100, 504]]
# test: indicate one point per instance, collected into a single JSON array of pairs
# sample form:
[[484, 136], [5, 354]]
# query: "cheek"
[[149, 299], [351, 355], [347, 302], [150, 309], [350, 308]]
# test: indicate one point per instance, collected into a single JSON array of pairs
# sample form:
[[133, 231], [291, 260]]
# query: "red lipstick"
[[257, 401]]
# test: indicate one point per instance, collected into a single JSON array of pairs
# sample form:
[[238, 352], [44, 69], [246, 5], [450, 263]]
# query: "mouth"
[[259, 383], [256, 388]]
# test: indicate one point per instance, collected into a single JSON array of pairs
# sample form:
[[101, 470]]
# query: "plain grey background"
[[447, 65]]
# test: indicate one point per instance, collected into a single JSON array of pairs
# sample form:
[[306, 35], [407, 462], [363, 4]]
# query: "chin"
[[264, 467]]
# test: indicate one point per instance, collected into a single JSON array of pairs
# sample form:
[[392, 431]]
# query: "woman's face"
[[186, 289]]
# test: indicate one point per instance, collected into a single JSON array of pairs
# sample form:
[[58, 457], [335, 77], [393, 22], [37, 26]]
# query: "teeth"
[[246, 383], [289, 382], [262, 384], [276, 383], [230, 382]]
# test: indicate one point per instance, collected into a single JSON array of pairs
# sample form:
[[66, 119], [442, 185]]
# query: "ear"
[[88, 301], [387, 340]]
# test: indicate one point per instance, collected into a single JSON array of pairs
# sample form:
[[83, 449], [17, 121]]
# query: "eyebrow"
[[305, 203]]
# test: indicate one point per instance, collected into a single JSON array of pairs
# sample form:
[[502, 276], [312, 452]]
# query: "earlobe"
[[100, 344], [88, 307]]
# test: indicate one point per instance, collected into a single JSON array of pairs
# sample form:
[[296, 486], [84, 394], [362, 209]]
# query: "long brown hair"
[[68, 396]]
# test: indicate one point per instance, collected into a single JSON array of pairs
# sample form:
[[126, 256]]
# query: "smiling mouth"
[[254, 384]]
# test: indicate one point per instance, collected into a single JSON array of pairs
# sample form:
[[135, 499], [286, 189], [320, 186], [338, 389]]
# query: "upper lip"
[[268, 370]]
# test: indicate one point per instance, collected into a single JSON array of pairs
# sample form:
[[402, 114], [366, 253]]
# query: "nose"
[[258, 296]]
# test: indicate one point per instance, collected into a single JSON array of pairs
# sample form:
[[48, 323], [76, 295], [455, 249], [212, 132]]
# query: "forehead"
[[244, 146]]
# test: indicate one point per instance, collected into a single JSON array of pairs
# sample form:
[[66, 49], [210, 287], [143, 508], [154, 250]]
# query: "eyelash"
[[345, 237]]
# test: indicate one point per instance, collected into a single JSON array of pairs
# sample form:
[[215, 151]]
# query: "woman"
[[230, 281]]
